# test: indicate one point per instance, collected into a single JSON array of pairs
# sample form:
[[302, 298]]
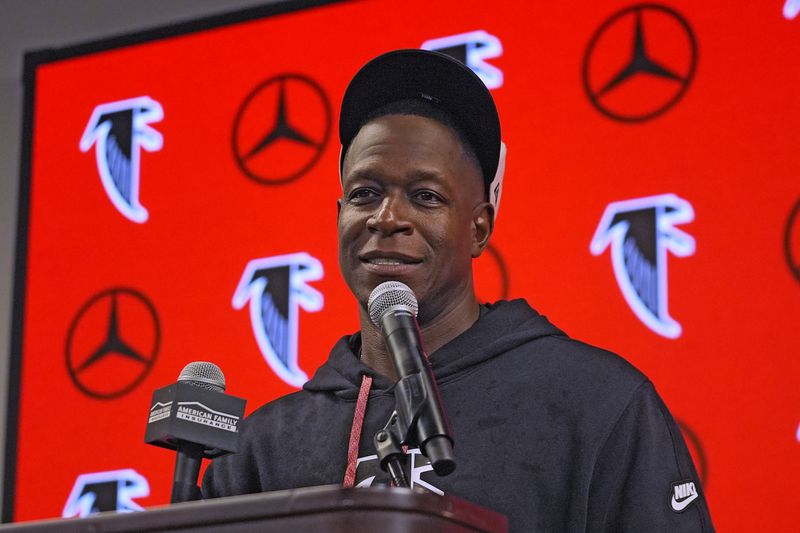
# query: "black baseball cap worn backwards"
[[443, 82]]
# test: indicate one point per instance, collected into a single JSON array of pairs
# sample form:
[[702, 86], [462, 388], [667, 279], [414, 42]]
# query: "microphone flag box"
[[184, 412]]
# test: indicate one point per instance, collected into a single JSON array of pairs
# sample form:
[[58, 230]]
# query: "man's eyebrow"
[[362, 175], [431, 176], [372, 174], [425, 174]]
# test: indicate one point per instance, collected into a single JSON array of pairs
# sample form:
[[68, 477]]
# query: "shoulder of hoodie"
[[581, 379], [556, 361], [561, 356], [584, 358], [570, 358]]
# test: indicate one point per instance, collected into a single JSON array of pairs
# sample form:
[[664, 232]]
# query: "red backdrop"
[[727, 145]]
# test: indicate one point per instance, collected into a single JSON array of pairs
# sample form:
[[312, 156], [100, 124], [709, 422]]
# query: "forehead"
[[409, 142]]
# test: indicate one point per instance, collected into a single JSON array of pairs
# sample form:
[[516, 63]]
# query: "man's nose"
[[392, 216]]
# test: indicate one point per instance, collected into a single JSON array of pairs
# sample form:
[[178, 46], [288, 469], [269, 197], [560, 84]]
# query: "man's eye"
[[361, 194], [428, 197]]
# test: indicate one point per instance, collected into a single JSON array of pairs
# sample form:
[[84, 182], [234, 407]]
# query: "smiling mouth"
[[389, 261], [385, 263]]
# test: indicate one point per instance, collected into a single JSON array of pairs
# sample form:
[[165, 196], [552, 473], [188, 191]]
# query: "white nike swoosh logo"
[[681, 505]]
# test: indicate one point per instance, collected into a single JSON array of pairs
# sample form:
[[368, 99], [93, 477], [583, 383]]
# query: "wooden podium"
[[330, 508]]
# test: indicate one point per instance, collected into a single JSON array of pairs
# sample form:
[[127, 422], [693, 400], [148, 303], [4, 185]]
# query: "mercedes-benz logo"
[[639, 63], [281, 129], [112, 343], [792, 240], [492, 275]]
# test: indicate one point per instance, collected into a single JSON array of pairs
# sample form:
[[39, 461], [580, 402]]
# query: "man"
[[553, 433]]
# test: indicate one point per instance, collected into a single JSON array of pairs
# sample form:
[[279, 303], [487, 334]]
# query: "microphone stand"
[[412, 399], [388, 444], [187, 470]]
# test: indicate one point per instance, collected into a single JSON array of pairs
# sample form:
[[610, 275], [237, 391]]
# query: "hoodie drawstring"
[[355, 431]]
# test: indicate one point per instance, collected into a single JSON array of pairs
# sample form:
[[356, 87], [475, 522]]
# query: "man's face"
[[412, 210]]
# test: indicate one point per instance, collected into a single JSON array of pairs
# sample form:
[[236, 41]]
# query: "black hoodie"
[[553, 433]]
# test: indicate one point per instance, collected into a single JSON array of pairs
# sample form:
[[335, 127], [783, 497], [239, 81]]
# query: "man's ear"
[[482, 227]]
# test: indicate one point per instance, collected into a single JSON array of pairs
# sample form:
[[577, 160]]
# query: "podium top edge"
[[305, 502]]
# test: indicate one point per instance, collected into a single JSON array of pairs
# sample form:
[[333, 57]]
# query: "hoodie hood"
[[501, 327]]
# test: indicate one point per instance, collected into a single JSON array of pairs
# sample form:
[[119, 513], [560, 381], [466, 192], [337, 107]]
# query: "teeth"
[[385, 261]]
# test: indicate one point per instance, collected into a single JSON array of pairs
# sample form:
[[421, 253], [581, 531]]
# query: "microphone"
[[189, 455], [195, 418], [393, 308]]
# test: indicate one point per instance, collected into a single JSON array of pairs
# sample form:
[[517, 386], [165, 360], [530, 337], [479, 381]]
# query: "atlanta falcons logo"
[[473, 49], [106, 491], [640, 232], [275, 287], [118, 130]]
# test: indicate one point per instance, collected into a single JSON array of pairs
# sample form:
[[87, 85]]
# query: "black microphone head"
[[204, 375], [391, 296]]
